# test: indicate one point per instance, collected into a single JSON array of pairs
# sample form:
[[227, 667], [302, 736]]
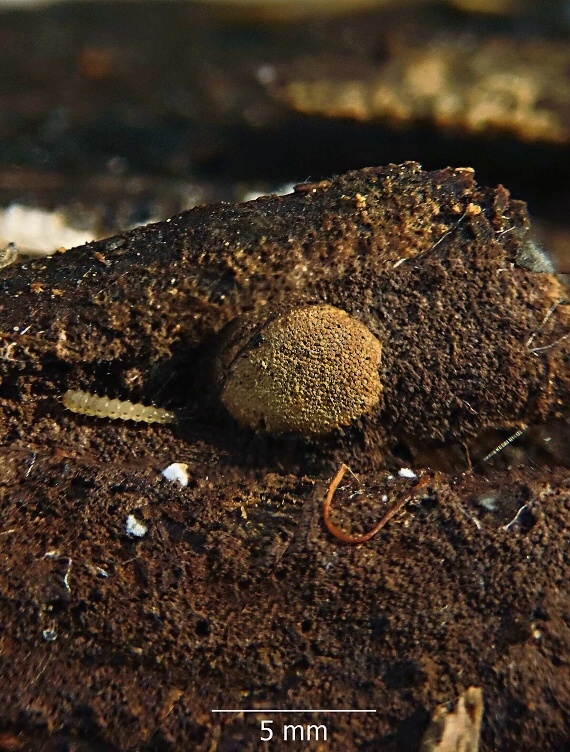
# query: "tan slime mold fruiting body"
[[103, 407], [306, 370]]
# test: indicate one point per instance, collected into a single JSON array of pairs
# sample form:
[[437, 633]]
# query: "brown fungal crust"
[[306, 370]]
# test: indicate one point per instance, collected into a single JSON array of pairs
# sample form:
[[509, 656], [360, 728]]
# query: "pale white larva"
[[103, 407]]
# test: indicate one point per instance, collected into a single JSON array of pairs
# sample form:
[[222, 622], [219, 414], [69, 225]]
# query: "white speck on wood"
[[177, 472], [135, 528]]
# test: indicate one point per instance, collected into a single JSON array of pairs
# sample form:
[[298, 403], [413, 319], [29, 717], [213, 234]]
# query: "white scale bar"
[[300, 710]]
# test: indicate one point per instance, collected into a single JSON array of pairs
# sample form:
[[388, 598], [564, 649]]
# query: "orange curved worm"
[[345, 537]]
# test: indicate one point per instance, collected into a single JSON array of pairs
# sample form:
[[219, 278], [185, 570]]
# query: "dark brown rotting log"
[[236, 595], [427, 261]]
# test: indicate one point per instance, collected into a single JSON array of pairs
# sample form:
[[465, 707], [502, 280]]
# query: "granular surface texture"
[[308, 370], [132, 606]]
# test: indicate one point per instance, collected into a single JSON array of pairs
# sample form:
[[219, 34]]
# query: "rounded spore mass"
[[305, 370]]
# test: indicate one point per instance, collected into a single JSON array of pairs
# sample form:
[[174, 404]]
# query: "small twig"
[[542, 323], [467, 456], [434, 246], [504, 232], [517, 517], [32, 463], [552, 344], [470, 517], [345, 537]]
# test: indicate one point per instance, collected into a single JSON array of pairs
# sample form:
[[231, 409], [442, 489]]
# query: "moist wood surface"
[[236, 596]]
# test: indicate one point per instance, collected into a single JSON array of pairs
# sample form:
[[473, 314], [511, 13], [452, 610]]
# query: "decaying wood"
[[427, 261], [456, 729]]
